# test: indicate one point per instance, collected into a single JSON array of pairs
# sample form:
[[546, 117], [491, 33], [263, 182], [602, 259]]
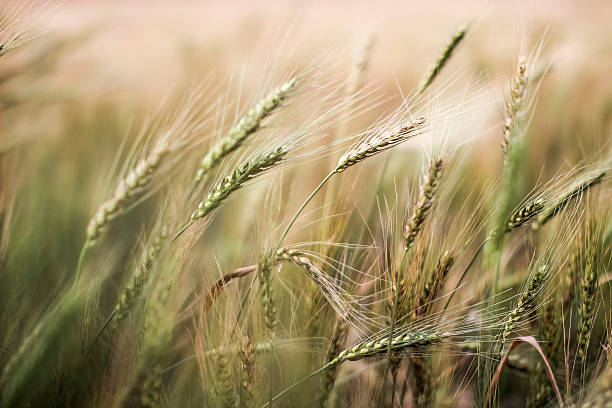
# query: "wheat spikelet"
[[574, 191], [224, 388], [424, 203], [237, 178], [247, 378], [445, 55], [136, 181], [133, 289], [515, 104], [402, 342], [526, 303], [245, 127], [524, 215], [264, 276], [379, 143], [586, 309]]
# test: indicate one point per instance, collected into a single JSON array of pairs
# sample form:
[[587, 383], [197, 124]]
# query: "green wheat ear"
[[444, 57], [573, 191], [527, 302], [264, 276], [246, 126]]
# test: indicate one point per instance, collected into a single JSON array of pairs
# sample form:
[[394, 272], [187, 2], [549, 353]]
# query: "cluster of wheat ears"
[[421, 299]]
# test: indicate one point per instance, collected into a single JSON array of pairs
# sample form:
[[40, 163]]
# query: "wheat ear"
[[445, 55], [527, 301], [264, 276], [133, 289], [424, 203], [564, 200], [136, 181], [417, 220], [247, 375], [242, 174], [377, 143], [515, 104], [224, 391], [246, 126], [588, 287], [380, 143]]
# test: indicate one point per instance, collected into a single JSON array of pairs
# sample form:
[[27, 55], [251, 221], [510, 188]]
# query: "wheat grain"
[[524, 215]]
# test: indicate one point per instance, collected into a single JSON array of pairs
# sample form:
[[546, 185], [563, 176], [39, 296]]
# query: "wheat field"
[[305, 204]]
